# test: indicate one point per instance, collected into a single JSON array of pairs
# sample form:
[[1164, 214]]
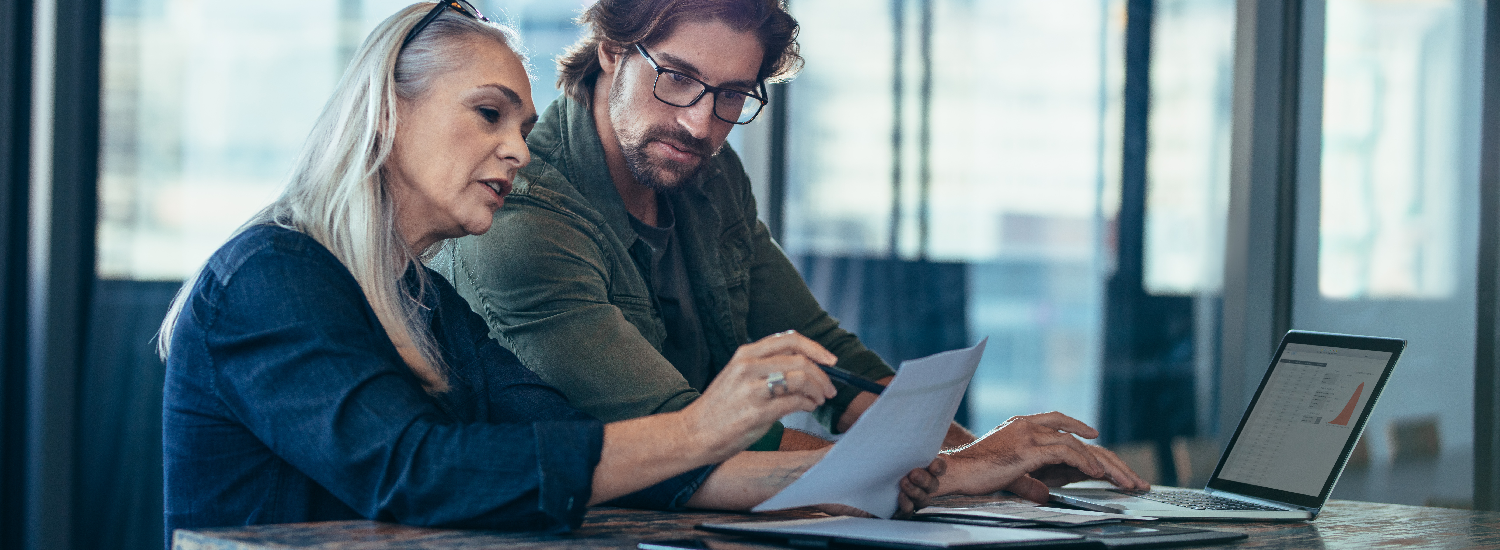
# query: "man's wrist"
[[956, 480]]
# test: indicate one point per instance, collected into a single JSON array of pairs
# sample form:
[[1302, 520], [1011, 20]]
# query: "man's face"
[[664, 145]]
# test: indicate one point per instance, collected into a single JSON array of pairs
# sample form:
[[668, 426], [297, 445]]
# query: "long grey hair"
[[338, 193]]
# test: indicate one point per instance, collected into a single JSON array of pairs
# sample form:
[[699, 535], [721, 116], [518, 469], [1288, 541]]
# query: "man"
[[628, 264]]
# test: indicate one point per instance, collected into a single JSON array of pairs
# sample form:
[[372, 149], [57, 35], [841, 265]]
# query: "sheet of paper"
[[903, 430], [1025, 511]]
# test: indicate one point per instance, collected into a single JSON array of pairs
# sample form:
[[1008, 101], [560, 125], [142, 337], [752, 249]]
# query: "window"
[[1393, 121], [1192, 79], [206, 105], [1021, 147], [1390, 250]]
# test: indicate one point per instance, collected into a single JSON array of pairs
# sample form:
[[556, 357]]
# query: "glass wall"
[[1187, 194], [1389, 248], [998, 163], [207, 103], [1192, 79], [1017, 174]]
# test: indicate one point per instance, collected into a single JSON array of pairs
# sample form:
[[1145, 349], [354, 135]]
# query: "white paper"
[[902, 431]]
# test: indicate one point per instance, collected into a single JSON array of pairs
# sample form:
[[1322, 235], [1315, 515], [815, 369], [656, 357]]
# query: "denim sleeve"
[[299, 358], [671, 494]]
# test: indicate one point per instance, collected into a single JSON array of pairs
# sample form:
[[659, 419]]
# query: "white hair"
[[338, 193]]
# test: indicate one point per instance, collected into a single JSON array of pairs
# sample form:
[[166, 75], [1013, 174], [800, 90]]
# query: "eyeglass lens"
[[680, 90]]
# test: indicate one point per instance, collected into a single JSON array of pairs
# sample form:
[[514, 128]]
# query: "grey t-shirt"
[[685, 346]]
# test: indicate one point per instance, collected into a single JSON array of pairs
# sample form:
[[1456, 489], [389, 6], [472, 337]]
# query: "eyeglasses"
[[459, 6], [681, 90]]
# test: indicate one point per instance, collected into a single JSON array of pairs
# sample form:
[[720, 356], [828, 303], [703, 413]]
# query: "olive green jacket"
[[561, 278]]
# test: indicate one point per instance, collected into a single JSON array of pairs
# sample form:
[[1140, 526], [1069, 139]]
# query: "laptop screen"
[[1306, 416]]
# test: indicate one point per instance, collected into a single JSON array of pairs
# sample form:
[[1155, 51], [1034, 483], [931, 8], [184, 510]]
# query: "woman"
[[317, 371]]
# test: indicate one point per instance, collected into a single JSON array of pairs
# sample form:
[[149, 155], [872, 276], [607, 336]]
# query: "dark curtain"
[[119, 494]]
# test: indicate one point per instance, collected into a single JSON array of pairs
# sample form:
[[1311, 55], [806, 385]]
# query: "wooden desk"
[[1343, 524]]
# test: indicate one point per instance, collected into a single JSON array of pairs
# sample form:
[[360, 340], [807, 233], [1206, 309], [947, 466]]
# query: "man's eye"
[[731, 95], [677, 77], [490, 115]]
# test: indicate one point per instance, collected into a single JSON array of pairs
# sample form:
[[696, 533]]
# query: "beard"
[[661, 175]]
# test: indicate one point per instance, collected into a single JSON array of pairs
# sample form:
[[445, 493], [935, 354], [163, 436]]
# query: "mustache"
[[682, 139]]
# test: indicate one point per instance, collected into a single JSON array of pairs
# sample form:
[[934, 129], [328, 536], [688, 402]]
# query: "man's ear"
[[610, 55]]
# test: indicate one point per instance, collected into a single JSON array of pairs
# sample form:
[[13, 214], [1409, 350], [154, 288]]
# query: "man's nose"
[[698, 118]]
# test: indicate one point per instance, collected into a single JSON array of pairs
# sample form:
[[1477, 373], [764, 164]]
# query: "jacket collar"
[[566, 138]]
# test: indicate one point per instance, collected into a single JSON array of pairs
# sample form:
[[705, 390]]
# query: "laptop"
[[1291, 444]]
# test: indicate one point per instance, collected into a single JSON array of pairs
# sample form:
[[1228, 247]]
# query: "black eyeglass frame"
[[460, 6], [706, 89]]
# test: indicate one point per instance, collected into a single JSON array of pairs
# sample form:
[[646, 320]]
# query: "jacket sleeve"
[[540, 281], [299, 360], [780, 300]]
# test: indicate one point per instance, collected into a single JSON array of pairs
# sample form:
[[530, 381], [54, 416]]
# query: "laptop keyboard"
[[1198, 501]]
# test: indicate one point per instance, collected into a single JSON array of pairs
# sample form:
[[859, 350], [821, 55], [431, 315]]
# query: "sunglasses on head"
[[459, 6]]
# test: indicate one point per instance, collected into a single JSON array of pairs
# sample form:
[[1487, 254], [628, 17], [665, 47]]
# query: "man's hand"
[[1028, 454]]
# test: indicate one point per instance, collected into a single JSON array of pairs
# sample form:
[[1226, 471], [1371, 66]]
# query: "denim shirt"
[[285, 401], [563, 279]]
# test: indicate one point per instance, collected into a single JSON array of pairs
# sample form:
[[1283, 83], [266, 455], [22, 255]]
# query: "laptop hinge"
[[1261, 501]]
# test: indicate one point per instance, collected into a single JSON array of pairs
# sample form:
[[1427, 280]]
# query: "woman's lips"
[[500, 187]]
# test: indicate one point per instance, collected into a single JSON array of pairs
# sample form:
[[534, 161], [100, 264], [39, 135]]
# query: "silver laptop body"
[[1291, 444]]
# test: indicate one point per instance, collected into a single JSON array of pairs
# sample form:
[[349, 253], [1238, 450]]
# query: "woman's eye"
[[490, 115]]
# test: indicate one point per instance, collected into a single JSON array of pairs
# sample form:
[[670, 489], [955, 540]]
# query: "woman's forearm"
[[766, 380], [749, 478], [642, 452]]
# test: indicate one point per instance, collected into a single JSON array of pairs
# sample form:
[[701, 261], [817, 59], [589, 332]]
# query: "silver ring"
[[776, 383]]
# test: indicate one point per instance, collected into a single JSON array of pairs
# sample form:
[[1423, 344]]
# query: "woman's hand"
[[1028, 454], [919, 487], [745, 398], [917, 490]]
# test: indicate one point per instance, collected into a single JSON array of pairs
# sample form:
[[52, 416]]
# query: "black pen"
[[852, 379]]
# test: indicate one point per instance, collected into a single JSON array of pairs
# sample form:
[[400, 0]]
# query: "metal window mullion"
[[898, 118], [64, 203], [15, 118], [1487, 324], [776, 180]]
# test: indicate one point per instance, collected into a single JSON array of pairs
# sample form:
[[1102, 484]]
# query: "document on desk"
[[903, 430]]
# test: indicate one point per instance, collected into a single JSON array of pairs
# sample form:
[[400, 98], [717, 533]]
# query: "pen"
[[852, 379]]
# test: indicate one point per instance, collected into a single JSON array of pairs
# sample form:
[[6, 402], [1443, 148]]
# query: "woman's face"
[[458, 146]]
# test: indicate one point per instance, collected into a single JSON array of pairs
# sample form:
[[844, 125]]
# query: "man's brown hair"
[[620, 23]]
